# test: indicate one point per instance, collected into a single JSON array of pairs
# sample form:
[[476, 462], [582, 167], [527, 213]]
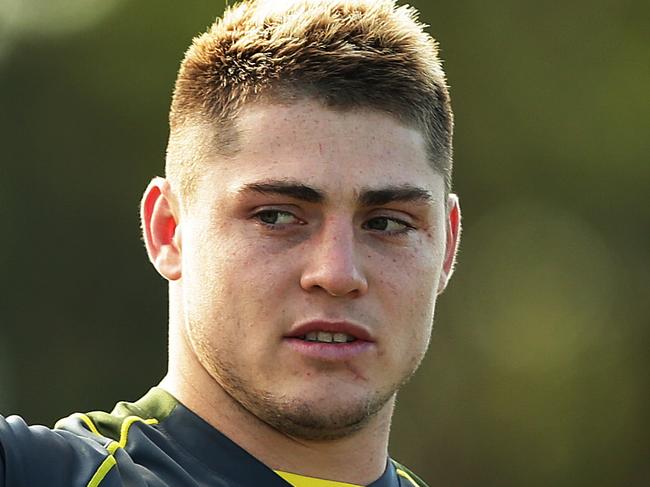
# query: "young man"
[[305, 227]]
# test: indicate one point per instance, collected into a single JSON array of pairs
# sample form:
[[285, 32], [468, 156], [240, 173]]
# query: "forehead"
[[334, 150], [300, 127]]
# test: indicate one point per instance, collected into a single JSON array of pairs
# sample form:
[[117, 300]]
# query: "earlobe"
[[452, 241], [161, 230]]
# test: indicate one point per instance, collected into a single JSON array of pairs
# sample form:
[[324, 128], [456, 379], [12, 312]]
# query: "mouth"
[[327, 337], [331, 332], [330, 341]]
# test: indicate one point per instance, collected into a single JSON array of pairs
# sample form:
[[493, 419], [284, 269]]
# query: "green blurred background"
[[537, 373]]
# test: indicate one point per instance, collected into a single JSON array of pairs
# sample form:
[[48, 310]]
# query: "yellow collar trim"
[[302, 481]]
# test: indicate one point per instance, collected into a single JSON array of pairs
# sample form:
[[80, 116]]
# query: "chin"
[[321, 419], [315, 416], [319, 410]]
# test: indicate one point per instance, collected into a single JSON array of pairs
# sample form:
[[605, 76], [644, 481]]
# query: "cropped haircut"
[[346, 54]]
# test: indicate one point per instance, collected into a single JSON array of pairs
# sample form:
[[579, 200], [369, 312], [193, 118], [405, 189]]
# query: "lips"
[[319, 328]]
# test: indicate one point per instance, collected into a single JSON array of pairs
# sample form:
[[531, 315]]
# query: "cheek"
[[408, 280], [229, 282], [408, 295]]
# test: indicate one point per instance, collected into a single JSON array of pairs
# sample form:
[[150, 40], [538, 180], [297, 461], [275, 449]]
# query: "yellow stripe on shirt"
[[302, 481], [402, 473]]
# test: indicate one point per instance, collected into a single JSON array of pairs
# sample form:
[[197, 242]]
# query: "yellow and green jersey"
[[153, 442]]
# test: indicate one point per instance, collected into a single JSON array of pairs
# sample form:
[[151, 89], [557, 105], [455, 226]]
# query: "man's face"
[[311, 262]]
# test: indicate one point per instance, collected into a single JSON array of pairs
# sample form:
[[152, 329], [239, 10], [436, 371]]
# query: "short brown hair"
[[344, 53]]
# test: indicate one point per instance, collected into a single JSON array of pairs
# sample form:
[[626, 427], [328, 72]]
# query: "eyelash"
[[406, 227], [274, 226]]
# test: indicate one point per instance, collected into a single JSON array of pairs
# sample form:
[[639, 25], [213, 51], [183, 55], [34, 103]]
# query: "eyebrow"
[[367, 197], [402, 193], [287, 188]]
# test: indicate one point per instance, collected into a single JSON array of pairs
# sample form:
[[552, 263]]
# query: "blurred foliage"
[[537, 373]]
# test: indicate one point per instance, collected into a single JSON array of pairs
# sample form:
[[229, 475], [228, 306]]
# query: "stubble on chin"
[[300, 418], [304, 420]]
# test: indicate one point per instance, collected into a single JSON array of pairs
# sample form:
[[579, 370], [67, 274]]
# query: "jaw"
[[316, 402], [322, 417]]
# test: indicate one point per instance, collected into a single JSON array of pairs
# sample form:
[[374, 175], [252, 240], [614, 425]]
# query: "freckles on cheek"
[[398, 277], [255, 255], [388, 278]]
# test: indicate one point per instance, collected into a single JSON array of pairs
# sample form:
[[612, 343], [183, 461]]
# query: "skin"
[[245, 267]]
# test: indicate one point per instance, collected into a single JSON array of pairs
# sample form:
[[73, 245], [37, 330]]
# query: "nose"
[[332, 265]]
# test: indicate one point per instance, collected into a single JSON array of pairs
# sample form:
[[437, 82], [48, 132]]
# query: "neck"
[[359, 458]]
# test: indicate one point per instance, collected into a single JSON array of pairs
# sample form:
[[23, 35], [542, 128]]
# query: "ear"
[[452, 241], [160, 229]]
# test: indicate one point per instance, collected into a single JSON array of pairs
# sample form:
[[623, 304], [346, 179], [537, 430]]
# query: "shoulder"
[[81, 450], [37, 455]]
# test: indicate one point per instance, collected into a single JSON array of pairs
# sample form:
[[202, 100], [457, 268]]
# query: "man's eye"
[[276, 217], [387, 225]]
